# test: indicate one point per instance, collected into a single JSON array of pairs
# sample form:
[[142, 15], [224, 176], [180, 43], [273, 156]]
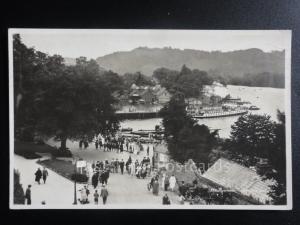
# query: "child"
[[96, 197]]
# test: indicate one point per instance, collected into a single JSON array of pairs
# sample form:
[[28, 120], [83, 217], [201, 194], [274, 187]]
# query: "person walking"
[[155, 187], [84, 198], [38, 175], [106, 176], [86, 144], [166, 183], [96, 197], [112, 165], [102, 177], [28, 195], [172, 182], [116, 165], [132, 169], [95, 179], [163, 180], [122, 166], [80, 144], [104, 194], [45, 175]]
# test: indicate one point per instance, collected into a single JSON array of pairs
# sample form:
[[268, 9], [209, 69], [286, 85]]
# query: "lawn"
[[63, 168], [28, 149]]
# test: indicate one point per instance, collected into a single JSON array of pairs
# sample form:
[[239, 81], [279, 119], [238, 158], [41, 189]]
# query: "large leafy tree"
[[175, 116], [253, 135], [186, 139], [32, 71], [277, 160], [76, 104], [194, 142], [53, 99], [113, 80]]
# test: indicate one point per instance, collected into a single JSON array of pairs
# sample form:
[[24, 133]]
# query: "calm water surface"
[[267, 99]]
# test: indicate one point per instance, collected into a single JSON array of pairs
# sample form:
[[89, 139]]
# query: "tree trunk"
[[63, 143]]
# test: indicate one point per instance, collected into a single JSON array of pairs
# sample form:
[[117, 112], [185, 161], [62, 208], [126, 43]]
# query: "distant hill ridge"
[[234, 63]]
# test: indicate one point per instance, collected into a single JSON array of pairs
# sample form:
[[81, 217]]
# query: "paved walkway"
[[59, 191], [91, 154]]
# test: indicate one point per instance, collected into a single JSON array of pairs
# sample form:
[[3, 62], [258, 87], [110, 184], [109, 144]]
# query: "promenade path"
[[124, 190]]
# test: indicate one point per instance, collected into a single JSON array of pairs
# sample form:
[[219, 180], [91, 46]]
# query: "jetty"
[[137, 115]]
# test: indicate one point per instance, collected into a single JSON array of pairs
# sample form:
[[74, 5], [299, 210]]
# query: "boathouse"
[[163, 96], [240, 179]]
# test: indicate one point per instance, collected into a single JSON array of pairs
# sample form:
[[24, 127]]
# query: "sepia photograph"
[[150, 119]]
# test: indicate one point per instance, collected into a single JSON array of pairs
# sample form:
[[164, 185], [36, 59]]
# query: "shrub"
[[28, 155], [81, 178], [61, 153], [19, 196]]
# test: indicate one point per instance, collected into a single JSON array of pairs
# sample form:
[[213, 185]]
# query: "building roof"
[[239, 178], [162, 91]]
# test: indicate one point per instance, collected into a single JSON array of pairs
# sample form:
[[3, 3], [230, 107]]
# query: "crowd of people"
[[101, 171], [140, 169], [85, 192], [167, 184], [116, 143]]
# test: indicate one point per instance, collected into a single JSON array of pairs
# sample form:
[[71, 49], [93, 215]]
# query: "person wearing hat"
[[28, 195]]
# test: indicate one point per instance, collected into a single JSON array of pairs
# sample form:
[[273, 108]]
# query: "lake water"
[[267, 99]]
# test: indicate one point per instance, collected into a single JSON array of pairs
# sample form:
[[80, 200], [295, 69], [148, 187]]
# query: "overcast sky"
[[95, 43]]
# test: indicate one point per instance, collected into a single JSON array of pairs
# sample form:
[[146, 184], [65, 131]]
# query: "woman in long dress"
[[84, 198], [163, 181], [155, 187], [172, 182], [132, 169]]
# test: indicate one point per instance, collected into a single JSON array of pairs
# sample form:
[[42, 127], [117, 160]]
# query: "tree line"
[[186, 81], [265, 79], [191, 82], [55, 100]]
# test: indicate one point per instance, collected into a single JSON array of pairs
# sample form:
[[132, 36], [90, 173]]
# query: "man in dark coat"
[[28, 195], [106, 176], [155, 187], [122, 166], [102, 177], [95, 180], [38, 175], [116, 164], [45, 175], [104, 194]]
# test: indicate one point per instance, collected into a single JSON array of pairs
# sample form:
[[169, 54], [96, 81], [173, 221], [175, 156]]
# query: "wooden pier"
[[137, 115]]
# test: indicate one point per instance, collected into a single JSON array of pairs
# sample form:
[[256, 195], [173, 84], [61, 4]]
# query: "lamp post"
[[75, 192]]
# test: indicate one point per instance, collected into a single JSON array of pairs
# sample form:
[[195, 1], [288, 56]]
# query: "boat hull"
[[220, 115]]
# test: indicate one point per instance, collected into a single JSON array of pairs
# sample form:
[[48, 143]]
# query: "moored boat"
[[253, 107], [126, 129], [202, 115]]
